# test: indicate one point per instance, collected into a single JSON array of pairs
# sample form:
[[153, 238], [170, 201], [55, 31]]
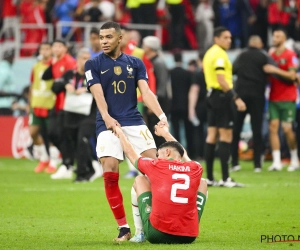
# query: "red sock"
[[114, 196]]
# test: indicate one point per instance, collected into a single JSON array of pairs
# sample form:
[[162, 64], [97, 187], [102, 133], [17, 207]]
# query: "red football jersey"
[[66, 63], [279, 90], [174, 188]]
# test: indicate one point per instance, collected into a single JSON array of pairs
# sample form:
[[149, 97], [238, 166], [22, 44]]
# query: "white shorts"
[[109, 145]]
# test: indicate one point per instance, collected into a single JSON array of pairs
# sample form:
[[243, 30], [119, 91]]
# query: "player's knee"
[[109, 164], [286, 127]]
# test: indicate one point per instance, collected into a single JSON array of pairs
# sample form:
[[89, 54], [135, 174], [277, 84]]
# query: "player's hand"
[[241, 106], [161, 130], [163, 122], [80, 91], [70, 88], [118, 132], [270, 69], [111, 123]]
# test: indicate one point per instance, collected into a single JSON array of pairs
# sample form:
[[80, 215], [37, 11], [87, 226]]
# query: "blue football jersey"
[[118, 79]]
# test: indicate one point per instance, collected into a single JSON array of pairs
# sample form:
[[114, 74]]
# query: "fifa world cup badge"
[[148, 209]]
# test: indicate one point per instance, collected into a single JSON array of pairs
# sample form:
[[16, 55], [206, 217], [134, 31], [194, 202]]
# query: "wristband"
[[231, 94], [163, 115]]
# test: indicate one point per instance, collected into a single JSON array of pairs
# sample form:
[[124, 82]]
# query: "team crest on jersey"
[[62, 69], [102, 148], [282, 61], [118, 70], [129, 69], [148, 209]]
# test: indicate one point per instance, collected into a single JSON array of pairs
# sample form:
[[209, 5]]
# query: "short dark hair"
[[282, 30], [219, 30], [60, 41], [178, 56], [45, 43], [173, 144], [193, 62], [94, 31], [109, 25]]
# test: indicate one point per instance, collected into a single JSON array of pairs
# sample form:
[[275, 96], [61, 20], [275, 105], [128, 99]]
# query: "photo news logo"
[[279, 238]]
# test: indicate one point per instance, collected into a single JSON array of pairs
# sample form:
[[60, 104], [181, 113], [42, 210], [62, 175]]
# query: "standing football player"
[[112, 78]]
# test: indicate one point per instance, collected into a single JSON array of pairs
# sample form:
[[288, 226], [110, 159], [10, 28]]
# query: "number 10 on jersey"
[[119, 87]]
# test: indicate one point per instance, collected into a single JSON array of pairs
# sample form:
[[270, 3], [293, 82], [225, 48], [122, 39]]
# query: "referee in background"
[[221, 96]]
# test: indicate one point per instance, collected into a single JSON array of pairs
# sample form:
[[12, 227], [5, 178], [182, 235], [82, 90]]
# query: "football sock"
[[224, 154], [276, 157], [294, 157], [114, 197], [136, 213], [54, 156], [209, 159], [201, 200], [43, 152]]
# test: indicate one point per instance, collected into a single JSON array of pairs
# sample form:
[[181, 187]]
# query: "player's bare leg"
[[114, 196], [150, 153], [275, 145], [141, 184], [39, 148], [292, 143]]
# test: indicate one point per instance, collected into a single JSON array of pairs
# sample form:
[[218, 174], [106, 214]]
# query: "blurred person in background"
[[152, 47], [250, 86], [95, 47], [78, 127], [42, 99], [181, 80], [205, 27], [60, 63], [197, 108], [147, 9], [93, 13], [20, 106], [8, 88], [129, 47], [220, 100], [177, 10], [33, 12], [64, 10], [282, 102]]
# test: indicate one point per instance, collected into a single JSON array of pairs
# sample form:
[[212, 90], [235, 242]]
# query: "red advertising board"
[[14, 136]]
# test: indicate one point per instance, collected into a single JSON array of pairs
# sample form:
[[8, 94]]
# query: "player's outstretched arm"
[[164, 132], [98, 95], [151, 101], [127, 147]]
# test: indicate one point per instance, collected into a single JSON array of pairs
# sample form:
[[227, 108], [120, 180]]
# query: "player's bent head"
[[111, 25], [174, 146]]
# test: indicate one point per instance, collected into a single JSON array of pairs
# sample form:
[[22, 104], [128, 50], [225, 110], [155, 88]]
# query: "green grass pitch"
[[39, 213]]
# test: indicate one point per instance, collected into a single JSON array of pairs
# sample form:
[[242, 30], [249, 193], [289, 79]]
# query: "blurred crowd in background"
[[187, 24]]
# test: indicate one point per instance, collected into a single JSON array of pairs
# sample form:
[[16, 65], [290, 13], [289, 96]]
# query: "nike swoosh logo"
[[115, 206], [102, 72]]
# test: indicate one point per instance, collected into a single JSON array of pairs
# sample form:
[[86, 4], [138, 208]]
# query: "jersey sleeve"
[[293, 62], [219, 65], [141, 71], [143, 164], [91, 75]]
